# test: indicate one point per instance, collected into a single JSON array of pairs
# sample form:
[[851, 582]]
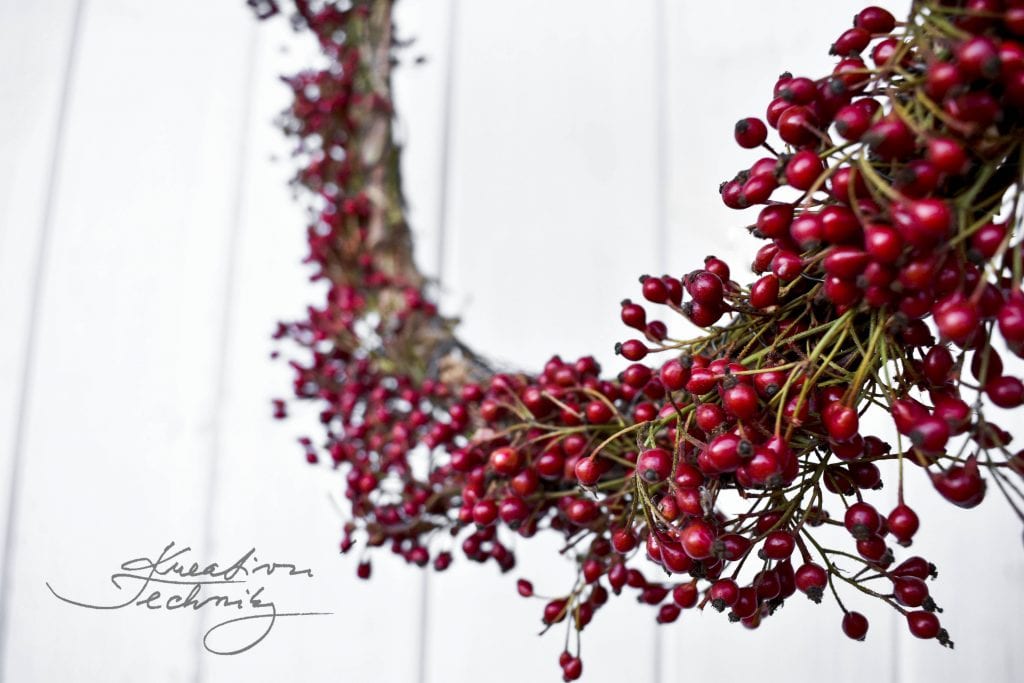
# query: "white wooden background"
[[148, 244]]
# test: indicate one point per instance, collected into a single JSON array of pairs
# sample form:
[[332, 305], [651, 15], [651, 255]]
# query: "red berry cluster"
[[736, 472]]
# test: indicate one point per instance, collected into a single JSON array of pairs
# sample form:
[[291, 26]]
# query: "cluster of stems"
[[743, 466]]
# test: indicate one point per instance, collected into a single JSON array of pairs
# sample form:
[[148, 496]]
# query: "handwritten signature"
[[170, 582]]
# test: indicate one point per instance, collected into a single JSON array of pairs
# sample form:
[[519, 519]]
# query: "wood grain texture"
[[551, 220], [573, 140], [117, 428], [36, 43], [723, 61], [267, 495]]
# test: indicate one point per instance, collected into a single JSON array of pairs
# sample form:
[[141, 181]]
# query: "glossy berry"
[[798, 125], [778, 545], [903, 523], [740, 401], [811, 579], [654, 465], [750, 132], [923, 624], [697, 539], [855, 625], [862, 520], [803, 169], [841, 421], [875, 20]]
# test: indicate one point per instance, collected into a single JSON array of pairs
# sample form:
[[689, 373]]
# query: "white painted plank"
[[420, 102], [712, 87], [980, 563], [266, 494], [117, 428], [724, 59], [30, 89], [552, 220]]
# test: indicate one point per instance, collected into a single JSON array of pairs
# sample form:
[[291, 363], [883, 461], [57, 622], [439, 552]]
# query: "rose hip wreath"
[[732, 470]]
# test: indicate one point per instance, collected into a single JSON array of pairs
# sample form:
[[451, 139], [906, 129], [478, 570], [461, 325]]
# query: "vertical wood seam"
[[660, 219], [224, 333], [423, 639], [32, 333]]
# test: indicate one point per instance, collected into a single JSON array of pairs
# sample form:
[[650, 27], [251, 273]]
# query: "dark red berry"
[[875, 20], [855, 625], [750, 132], [654, 465], [803, 169]]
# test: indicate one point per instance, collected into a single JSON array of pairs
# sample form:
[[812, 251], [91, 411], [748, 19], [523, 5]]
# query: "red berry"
[[654, 289], [930, 434], [890, 138], [947, 155], [803, 169], [852, 121], [572, 669], [840, 225], [937, 365], [787, 265], [709, 416], [798, 126], [923, 222], [634, 315], [765, 293], [799, 90], [1005, 392], [812, 579], [505, 461], [633, 350], [1011, 320], [910, 591], [705, 287], [750, 132], [582, 511], [485, 512], [697, 539], [778, 545], [862, 520], [923, 624], [723, 593], [845, 262], [673, 375], [957, 321], [942, 78], [555, 611], [978, 57], [599, 412], [855, 625], [740, 401], [774, 220], [851, 41], [807, 230], [841, 421], [513, 511], [685, 595], [875, 20], [718, 267], [624, 540], [903, 523], [589, 470], [988, 239], [961, 484], [654, 465]]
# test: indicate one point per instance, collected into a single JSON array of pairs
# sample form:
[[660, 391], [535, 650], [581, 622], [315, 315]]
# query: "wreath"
[[735, 469]]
